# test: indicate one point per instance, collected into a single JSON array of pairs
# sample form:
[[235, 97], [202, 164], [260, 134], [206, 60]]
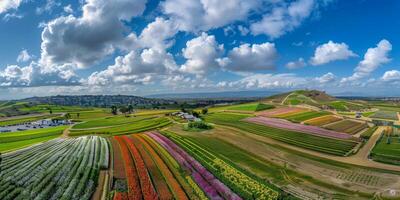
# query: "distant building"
[[186, 116]]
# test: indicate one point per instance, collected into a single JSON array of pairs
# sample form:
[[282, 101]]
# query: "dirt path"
[[66, 132], [100, 186], [363, 153], [283, 101], [398, 117], [359, 159]]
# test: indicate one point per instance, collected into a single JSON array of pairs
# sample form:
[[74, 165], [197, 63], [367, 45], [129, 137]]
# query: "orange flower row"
[[134, 191], [120, 196], [148, 190], [169, 177], [156, 176]]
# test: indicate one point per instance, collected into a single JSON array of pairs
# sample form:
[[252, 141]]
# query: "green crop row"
[[30, 134], [110, 121], [59, 169], [299, 117], [136, 127], [304, 140], [387, 150]]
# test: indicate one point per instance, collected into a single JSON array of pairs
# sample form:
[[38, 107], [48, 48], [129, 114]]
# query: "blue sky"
[[141, 47]]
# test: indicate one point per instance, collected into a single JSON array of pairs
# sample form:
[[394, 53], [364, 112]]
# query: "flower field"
[[149, 174], [347, 126], [160, 167], [320, 121], [303, 116], [283, 124], [58, 169], [243, 184], [314, 142], [282, 112]]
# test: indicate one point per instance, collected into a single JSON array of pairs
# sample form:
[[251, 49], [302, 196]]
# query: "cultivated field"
[[320, 121], [135, 127], [309, 141], [391, 115], [159, 167], [110, 121], [58, 169], [387, 149], [302, 116], [286, 125], [250, 151], [250, 107], [347, 126], [11, 141], [281, 112]]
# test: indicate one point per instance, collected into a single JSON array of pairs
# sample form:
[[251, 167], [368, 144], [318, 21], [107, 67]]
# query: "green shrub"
[[199, 125]]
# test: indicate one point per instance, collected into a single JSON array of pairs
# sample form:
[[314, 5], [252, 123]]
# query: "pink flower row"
[[212, 187], [284, 124]]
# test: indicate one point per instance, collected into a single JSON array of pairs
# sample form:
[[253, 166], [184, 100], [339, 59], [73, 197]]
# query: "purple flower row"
[[213, 188], [284, 124]]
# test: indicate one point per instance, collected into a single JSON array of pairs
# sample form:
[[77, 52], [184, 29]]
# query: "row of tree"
[[122, 109]]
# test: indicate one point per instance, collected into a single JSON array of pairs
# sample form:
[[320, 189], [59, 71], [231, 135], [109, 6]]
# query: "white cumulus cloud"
[[201, 54], [373, 58], [6, 5], [326, 78], [253, 57], [202, 15], [283, 18], [331, 51], [392, 75], [85, 40]]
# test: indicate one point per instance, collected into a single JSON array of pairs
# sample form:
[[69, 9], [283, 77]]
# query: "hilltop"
[[318, 99]]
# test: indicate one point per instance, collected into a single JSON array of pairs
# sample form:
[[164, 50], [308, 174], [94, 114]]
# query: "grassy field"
[[347, 126], [316, 143], [87, 115], [55, 108], [387, 150], [300, 117], [152, 112], [10, 141], [250, 107], [30, 134], [24, 120], [10, 146], [110, 121], [136, 127]]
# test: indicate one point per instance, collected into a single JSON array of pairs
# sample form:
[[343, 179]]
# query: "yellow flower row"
[[247, 183]]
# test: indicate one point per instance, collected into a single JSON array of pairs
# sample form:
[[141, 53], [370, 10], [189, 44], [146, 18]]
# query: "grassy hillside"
[[317, 99]]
